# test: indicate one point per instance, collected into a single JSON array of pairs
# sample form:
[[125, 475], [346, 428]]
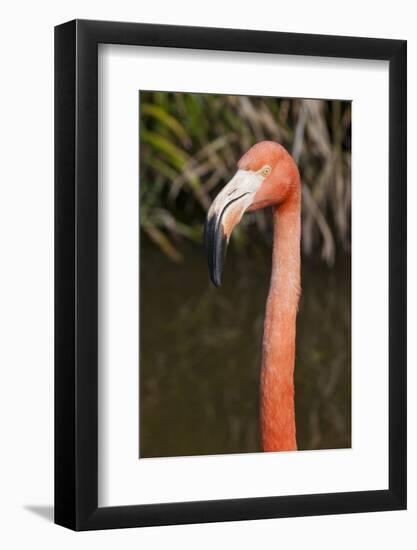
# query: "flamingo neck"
[[277, 374]]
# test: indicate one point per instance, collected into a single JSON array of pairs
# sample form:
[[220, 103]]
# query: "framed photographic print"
[[193, 385]]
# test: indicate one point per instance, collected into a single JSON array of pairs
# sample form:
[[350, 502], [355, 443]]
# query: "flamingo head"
[[266, 176]]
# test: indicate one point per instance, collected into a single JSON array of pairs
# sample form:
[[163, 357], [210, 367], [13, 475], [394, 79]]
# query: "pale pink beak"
[[225, 213]]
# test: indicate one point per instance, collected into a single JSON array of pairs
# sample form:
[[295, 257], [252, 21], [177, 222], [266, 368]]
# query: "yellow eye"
[[266, 170]]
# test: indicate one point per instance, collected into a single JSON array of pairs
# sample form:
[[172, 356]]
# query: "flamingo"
[[267, 176]]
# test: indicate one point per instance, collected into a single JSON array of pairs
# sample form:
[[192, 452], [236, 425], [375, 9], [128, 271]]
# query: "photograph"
[[249, 353], [208, 235]]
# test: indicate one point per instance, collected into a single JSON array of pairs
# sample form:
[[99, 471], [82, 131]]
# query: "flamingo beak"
[[224, 214]]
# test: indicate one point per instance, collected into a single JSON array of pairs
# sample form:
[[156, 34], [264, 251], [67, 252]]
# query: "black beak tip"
[[216, 279], [215, 245]]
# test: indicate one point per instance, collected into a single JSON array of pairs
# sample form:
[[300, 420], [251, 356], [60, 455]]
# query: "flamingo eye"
[[266, 170]]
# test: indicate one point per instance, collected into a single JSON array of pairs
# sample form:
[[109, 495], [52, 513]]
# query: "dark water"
[[200, 356]]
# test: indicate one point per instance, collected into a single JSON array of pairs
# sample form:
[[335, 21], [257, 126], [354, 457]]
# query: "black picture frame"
[[76, 272]]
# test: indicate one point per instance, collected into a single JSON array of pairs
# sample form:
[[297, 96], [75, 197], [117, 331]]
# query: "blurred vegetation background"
[[200, 346], [190, 145]]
